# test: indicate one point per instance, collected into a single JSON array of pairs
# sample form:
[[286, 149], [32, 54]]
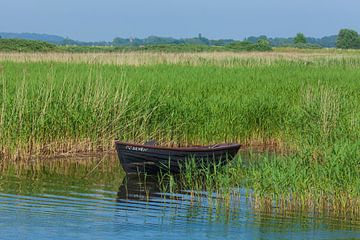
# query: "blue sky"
[[106, 19]]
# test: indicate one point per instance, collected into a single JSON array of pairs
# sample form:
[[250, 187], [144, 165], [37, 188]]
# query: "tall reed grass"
[[285, 183], [51, 108], [308, 107]]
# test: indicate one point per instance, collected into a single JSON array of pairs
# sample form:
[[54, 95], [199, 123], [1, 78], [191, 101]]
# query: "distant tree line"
[[151, 40], [261, 40], [155, 40], [346, 39], [326, 42]]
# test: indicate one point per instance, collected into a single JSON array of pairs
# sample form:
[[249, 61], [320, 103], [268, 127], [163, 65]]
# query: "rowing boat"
[[150, 158]]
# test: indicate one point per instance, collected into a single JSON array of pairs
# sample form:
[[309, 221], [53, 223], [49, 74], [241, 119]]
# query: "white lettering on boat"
[[133, 148]]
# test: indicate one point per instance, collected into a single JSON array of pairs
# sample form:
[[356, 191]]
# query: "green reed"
[[51, 108], [307, 108], [291, 182]]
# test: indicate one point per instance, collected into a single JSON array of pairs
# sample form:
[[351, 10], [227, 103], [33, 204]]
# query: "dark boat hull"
[[136, 158]]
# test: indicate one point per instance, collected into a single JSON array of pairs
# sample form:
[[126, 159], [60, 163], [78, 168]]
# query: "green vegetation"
[[299, 41], [283, 101], [327, 41], [19, 45], [324, 42], [306, 107], [300, 38], [33, 36], [348, 39], [299, 181], [261, 45]]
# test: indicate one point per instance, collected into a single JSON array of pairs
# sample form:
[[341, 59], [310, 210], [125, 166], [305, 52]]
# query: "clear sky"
[[92, 20]]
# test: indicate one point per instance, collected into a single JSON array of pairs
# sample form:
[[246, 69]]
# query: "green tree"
[[357, 45], [300, 38], [263, 45], [347, 39], [263, 37], [120, 41], [69, 42]]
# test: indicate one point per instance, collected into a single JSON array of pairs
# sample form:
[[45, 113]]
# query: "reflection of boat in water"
[[138, 187], [150, 158], [144, 188], [141, 199]]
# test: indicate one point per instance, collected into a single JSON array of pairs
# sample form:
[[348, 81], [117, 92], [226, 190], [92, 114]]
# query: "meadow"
[[303, 104]]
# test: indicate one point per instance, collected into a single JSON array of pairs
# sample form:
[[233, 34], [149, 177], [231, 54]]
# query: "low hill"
[[34, 36]]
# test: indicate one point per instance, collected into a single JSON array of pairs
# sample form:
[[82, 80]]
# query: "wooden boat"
[[149, 158]]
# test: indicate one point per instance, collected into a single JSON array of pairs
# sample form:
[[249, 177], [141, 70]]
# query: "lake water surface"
[[77, 200]]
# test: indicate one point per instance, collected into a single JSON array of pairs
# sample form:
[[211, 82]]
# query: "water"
[[88, 200]]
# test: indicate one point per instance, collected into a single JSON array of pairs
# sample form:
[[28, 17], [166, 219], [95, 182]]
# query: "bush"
[[303, 46], [21, 45], [261, 45], [307, 46]]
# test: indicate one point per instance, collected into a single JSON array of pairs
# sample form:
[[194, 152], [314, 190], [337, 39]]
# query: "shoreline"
[[75, 153]]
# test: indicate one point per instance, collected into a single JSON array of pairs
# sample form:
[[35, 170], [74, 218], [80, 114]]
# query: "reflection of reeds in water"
[[219, 193], [149, 193], [74, 168], [234, 204], [66, 178], [309, 211], [245, 180]]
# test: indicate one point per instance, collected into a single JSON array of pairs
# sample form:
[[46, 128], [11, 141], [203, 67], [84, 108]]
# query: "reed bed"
[[306, 104], [225, 59], [275, 184], [52, 108]]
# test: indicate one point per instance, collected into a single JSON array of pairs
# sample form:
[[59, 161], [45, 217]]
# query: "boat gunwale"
[[223, 146]]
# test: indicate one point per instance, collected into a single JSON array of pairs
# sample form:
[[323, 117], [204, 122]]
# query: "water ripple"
[[139, 210]]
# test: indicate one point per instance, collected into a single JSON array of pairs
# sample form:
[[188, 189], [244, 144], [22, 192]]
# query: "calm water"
[[71, 200]]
